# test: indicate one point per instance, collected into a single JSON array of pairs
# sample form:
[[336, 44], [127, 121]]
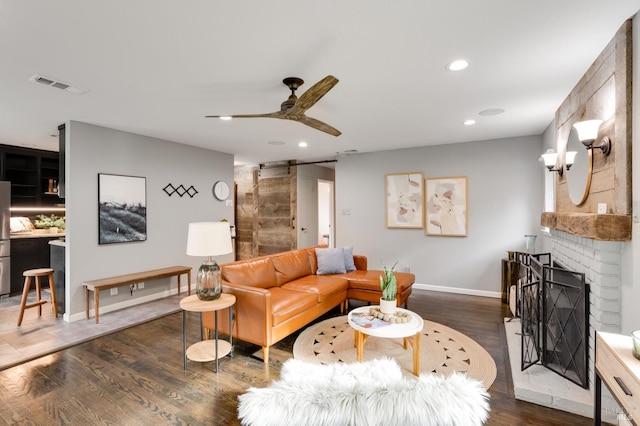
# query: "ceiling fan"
[[294, 108]]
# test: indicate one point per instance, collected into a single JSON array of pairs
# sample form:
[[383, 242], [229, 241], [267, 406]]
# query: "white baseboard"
[[120, 305], [456, 290]]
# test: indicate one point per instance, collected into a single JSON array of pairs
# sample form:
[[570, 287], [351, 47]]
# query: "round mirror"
[[579, 176]]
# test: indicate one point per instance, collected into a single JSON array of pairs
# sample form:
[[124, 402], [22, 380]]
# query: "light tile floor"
[[38, 336]]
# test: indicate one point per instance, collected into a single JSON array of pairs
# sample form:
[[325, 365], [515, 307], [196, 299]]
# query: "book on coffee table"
[[366, 320]]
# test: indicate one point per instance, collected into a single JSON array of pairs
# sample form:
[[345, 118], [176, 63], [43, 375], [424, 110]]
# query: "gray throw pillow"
[[348, 259], [330, 261]]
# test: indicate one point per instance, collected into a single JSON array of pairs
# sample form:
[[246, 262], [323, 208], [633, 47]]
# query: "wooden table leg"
[[416, 353], [359, 336], [96, 303], [86, 300], [189, 282]]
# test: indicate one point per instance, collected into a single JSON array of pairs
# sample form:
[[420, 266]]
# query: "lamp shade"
[[570, 158], [550, 157], [587, 131], [209, 239]]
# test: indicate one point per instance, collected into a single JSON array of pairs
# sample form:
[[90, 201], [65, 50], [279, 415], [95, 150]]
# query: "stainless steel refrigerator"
[[5, 242]]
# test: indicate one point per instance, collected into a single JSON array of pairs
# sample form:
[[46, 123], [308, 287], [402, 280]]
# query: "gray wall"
[[91, 150], [505, 195]]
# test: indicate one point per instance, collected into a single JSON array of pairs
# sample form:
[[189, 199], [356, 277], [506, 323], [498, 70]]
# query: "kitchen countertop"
[[36, 234]]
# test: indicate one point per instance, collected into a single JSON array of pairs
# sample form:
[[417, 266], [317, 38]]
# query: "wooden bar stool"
[[37, 273]]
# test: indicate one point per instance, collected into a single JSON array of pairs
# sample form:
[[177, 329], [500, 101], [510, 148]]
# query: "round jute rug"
[[443, 350]]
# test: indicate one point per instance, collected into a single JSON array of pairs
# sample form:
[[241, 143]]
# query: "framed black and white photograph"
[[122, 208]]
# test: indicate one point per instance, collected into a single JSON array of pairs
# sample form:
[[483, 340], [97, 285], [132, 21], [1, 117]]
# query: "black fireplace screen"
[[554, 307]]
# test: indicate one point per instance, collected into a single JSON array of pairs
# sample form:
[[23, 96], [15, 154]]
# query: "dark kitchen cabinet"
[[57, 263], [33, 174], [28, 253]]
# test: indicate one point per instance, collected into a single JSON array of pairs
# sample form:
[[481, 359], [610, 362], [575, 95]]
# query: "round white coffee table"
[[364, 326]]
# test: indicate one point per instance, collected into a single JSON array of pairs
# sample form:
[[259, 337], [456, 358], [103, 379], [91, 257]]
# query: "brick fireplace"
[[601, 262]]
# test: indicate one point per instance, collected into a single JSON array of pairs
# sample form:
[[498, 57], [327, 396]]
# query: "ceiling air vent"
[[58, 84], [42, 80]]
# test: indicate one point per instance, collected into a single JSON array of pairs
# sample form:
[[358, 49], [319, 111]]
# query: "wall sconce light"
[[569, 158], [588, 133], [550, 159]]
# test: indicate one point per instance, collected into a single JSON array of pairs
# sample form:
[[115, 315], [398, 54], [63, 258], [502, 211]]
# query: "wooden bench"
[[128, 279]]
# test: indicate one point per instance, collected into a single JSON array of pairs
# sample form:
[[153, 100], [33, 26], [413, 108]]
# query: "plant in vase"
[[51, 223], [389, 289]]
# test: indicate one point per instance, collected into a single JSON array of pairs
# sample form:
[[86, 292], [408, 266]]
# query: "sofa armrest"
[[253, 310], [257, 299], [360, 261]]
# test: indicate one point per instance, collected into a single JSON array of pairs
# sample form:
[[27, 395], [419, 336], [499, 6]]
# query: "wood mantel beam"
[[604, 227]]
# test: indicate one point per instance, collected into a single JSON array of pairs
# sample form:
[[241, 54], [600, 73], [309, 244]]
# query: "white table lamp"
[[209, 239]]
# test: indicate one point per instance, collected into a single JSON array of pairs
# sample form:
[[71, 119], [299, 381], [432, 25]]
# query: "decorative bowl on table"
[[635, 336]]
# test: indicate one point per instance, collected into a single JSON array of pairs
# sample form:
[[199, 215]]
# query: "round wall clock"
[[221, 190]]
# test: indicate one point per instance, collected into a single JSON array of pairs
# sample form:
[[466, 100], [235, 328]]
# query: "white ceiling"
[[157, 68]]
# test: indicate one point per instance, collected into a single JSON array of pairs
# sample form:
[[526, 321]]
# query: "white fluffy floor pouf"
[[372, 393]]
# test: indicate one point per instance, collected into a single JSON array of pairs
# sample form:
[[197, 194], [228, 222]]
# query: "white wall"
[[505, 201], [91, 150], [549, 182]]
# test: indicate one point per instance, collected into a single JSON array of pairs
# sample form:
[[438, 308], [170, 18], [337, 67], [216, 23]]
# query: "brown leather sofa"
[[279, 293]]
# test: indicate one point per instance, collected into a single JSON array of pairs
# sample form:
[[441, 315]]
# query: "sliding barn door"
[[265, 210]]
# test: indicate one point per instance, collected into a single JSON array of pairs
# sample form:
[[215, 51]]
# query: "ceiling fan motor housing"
[[292, 83]]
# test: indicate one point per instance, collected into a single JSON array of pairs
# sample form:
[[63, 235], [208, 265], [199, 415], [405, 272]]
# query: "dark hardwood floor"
[[136, 376]]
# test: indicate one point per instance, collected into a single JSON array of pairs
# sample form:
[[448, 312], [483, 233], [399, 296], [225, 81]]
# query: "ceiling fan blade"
[[313, 95], [276, 114], [317, 124]]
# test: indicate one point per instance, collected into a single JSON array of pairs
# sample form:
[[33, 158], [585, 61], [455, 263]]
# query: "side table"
[[207, 350], [410, 332]]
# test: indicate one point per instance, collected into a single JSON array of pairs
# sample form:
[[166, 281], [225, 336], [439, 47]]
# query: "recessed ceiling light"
[[302, 144], [491, 111], [457, 65], [469, 122], [225, 117]]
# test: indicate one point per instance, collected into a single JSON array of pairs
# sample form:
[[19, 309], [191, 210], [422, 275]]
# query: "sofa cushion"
[[330, 261], [349, 265], [313, 259], [286, 304], [256, 273], [323, 286], [291, 265]]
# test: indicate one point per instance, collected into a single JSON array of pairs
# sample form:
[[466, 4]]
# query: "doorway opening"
[[325, 213]]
